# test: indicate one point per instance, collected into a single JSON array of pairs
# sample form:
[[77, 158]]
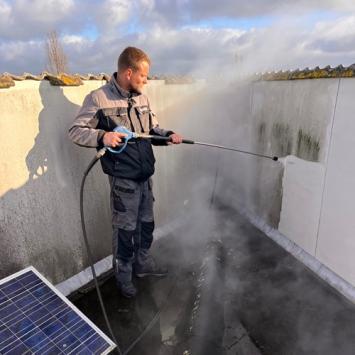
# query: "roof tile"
[[316, 73], [6, 81]]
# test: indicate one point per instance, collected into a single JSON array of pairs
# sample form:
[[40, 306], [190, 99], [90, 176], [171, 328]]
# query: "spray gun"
[[130, 135]]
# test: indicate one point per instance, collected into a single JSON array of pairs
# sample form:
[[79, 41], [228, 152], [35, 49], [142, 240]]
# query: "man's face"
[[139, 78]]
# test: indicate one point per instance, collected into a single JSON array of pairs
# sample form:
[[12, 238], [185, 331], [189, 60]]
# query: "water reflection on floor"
[[129, 317], [272, 303]]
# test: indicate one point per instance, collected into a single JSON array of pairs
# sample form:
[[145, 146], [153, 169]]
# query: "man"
[[121, 103]]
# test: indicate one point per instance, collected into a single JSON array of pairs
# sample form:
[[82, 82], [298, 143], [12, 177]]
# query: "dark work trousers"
[[132, 222]]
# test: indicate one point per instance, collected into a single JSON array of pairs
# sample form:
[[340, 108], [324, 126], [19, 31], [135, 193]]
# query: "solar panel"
[[35, 318]]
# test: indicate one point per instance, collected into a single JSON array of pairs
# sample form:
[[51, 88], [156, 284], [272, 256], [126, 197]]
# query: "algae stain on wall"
[[282, 140], [285, 140], [308, 147], [266, 187], [261, 131]]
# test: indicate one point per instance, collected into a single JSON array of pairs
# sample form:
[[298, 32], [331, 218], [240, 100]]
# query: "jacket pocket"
[[143, 113], [122, 194], [118, 204], [125, 203], [116, 116]]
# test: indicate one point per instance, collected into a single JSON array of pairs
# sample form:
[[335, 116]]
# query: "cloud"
[[185, 11], [184, 51], [190, 50], [113, 13], [298, 34], [22, 56], [337, 37], [25, 19], [73, 39]]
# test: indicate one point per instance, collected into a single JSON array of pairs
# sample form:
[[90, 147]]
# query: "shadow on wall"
[[38, 218]]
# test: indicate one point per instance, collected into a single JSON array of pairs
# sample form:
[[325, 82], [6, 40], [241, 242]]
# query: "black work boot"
[[127, 289], [123, 273], [145, 265]]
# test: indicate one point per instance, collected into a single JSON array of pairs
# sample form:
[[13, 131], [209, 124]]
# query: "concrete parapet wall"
[[40, 177], [40, 181], [308, 198]]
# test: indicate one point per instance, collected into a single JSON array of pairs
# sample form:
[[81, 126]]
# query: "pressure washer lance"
[[131, 135]]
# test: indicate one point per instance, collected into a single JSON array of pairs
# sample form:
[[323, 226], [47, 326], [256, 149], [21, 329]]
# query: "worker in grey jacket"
[[121, 103]]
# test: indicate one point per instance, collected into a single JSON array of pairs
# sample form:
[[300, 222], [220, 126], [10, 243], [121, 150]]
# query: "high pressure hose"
[[98, 155]]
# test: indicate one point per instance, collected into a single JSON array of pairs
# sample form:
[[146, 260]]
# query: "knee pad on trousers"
[[125, 249], [147, 229]]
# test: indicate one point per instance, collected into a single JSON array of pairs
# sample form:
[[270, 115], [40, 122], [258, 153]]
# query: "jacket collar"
[[117, 88]]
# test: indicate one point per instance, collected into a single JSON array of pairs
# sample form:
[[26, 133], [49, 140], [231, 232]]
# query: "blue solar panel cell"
[[22, 300], [22, 327], [28, 279], [7, 310], [37, 313], [34, 338], [11, 288], [36, 319], [82, 350], [96, 345], [83, 331], [4, 333], [49, 349], [68, 317], [66, 340], [16, 348], [37, 348], [3, 298], [41, 292], [7, 339], [50, 327]]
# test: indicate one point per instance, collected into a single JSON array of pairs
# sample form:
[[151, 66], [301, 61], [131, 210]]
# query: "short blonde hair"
[[131, 57]]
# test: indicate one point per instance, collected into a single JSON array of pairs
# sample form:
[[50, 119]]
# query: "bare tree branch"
[[57, 60]]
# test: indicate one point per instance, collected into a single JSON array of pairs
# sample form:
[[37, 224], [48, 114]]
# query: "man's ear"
[[129, 72]]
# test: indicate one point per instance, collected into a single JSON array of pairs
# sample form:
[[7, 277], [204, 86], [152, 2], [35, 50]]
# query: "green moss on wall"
[[308, 147], [281, 139]]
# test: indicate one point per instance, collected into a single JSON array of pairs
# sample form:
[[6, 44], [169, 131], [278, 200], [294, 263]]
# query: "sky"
[[182, 37]]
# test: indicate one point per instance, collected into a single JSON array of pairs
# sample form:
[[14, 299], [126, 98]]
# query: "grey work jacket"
[[110, 106]]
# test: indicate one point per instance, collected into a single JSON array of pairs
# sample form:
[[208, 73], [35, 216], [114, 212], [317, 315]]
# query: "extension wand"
[[131, 135]]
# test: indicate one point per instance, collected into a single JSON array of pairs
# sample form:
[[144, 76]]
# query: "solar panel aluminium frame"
[[64, 299]]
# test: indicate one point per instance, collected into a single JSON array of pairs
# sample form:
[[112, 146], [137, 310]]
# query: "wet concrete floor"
[[259, 299]]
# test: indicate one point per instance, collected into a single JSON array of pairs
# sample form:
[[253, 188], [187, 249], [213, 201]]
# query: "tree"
[[57, 60]]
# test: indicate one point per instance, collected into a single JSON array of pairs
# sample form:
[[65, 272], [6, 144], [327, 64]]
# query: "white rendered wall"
[[336, 236], [302, 186]]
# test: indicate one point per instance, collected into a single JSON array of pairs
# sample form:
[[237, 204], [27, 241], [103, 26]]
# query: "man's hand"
[[176, 138], [113, 139]]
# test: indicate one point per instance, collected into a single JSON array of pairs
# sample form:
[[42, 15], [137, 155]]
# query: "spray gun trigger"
[[129, 135]]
